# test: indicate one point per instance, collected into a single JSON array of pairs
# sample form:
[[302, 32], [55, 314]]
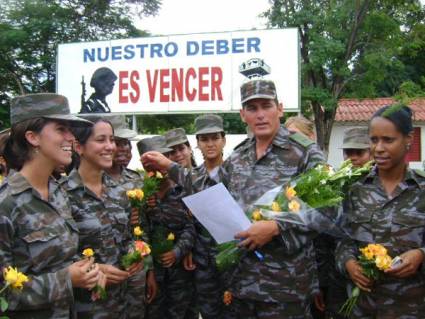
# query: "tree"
[[30, 31], [348, 48]]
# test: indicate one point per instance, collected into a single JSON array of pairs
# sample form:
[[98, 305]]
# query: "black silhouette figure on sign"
[[102, 80]]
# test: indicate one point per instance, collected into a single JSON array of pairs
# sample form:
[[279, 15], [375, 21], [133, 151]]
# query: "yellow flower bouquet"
[[162, 241], [374, 259], [138, 250], [298, 202], [13, 279]]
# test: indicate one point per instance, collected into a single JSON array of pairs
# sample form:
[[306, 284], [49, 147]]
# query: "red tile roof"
[[354, 110]]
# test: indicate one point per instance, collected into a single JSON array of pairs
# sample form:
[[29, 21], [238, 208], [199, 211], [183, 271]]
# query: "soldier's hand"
[[155, 160], [188, 262], [84, 273], [319, 301], [355, 272], [411, 261], [134, 268], [102, 280], [151, 201], [168, 259], [134, 217], [258, 234], [113, 274], [152, 287]]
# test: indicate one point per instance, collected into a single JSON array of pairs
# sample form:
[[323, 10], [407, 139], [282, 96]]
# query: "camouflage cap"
[[121, 129], [356, 138], [45, 105], [209, 123], [154, 143], [175, 137], [258, 89]]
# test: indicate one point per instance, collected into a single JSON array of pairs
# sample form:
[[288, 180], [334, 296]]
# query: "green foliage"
[[159, 242], [364, 48], [30, 31]]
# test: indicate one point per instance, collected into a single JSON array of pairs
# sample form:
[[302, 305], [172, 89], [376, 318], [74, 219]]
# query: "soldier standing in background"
[[169, 217], [387, 207], [181, 150], [208, 286], [280, 285], [37, 232], [129, 179], [356, 146]]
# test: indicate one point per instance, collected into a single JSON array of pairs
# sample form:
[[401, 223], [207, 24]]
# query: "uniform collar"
[[409, 178], [19, 184], [280, 140], [74, 180]]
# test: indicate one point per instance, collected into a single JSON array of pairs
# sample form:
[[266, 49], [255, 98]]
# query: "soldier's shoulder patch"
[[244, 142], [301, 139], [420, 172]]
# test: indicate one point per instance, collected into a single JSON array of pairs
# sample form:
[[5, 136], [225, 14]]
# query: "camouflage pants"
[[113, 307], [175, 288], [252, 309], [209, 291], [135, 295], [375, 306]]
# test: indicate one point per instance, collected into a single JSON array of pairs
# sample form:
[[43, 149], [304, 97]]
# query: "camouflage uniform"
[[136, 284], [398, 223], [286, 278], [174, 283], [104, 226], [41, 239]]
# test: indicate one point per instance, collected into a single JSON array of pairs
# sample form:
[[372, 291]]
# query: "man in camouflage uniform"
[[398, 223], [356, 146], [169, 215], [129, 179], [280, 285], [38, 236]]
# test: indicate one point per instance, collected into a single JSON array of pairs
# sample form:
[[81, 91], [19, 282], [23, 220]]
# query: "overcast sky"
[[194, 16]]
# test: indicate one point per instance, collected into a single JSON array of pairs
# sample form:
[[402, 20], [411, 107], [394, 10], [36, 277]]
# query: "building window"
[[414, 154]]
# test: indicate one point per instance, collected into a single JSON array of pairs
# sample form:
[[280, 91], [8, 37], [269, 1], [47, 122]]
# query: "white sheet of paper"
[[218, 212]]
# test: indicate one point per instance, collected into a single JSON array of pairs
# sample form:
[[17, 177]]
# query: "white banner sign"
[[180, 73]]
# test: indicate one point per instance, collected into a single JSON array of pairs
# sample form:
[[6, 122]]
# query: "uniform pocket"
[[43, 246], [408, 231]]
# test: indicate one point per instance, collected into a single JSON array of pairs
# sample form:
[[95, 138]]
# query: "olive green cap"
[[45, 105], [121, 129], [258, 89], [175, 137], [356, 138], [155, 143], [209, 123]]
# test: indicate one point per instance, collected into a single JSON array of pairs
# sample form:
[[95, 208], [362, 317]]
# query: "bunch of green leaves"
[[228, 256], [151, 184], [159, 242]]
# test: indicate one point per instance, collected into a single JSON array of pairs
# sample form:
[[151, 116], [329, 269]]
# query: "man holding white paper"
[[281, 285]]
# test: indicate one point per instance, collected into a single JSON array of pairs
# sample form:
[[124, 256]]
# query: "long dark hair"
[[17, 150]]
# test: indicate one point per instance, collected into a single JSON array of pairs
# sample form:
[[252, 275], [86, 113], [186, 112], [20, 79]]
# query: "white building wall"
[[335, 156]]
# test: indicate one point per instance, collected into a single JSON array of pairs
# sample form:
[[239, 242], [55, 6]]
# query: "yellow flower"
[[159, 175], [256, 215], [170, 236], [131, 194], [294, 206], [14, 278], [276, 207], [137, 231], [227, 298], [88, 252], [377, 249], [290, 193], [383, 262], [367, 253], [138, 193]]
